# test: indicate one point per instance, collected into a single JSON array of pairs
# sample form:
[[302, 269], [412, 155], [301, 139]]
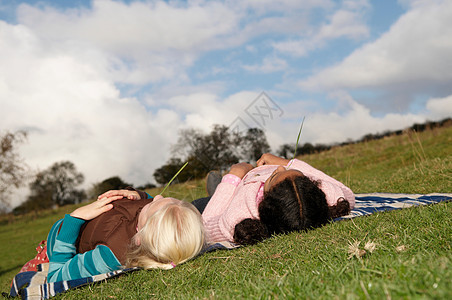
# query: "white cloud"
[[139, 42], [138, 27], [264, 6], [295, 47], [269, 64], [352, 123], [72, 113], [440, 107], [414, 3], [416, 50], [148, 42], [345, 22], [202, 110]]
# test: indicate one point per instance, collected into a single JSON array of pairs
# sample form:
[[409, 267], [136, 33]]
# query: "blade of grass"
[[298, 140], [180, 170]]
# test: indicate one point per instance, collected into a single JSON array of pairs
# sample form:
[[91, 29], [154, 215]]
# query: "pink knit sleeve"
[[222, 197], [218, 204]]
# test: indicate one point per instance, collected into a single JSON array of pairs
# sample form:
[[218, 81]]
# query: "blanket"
[[34, 285]]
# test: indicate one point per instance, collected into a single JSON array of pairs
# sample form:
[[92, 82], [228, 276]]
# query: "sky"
[[109, 84]]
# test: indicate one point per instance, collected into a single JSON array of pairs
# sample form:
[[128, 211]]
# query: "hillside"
[[312, 264]]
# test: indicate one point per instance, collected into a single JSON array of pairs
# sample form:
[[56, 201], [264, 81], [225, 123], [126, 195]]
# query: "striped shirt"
[[65, 263]]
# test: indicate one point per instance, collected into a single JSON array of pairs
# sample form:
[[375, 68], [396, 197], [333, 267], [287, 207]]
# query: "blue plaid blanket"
[[34, 285]]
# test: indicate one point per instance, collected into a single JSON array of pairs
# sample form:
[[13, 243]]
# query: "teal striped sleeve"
[[66, 264]]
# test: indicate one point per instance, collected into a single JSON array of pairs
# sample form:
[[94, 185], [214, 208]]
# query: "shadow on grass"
[[10, 269]]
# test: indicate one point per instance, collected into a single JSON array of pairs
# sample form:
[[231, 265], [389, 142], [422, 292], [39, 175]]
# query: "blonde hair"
[[171, 236]]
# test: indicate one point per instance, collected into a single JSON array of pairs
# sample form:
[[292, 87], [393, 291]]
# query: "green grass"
[[412, 259]]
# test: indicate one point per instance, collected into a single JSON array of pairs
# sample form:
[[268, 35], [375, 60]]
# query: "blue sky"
[[109, 84]]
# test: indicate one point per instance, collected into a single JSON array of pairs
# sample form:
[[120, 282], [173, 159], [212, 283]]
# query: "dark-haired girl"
[[278, 196]]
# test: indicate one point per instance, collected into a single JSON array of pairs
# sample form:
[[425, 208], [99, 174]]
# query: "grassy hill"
[[412, 258]]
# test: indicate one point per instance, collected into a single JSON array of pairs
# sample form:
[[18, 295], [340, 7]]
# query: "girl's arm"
[[216, 207], [225, 190], [64, 262], [222, 197], [270, 159]]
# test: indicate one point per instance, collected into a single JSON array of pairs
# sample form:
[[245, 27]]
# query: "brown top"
[[114, 228]]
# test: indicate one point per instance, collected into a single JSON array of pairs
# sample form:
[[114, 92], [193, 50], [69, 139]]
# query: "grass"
[[412, 258]]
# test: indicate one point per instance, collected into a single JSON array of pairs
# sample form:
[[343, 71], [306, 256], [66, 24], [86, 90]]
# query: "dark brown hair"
[[296, 203]]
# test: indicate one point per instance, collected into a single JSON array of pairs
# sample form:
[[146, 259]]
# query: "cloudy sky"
[[109, 84]]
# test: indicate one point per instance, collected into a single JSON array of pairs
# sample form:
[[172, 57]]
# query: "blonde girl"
[[124, 228]]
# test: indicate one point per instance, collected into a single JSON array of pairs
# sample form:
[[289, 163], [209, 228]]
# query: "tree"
[[13, 171], [164, 174], [56, 186], [216, 150], [112, 183], [219, 149], [286, 150], [307, 148], [253, 144], [146, 186]]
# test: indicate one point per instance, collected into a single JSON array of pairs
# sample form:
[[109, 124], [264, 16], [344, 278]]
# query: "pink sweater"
[[235, 200]]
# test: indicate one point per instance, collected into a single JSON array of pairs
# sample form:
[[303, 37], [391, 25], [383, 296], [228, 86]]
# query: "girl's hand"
[[270, 159], [131, 195], [92, 210], [240, 169]]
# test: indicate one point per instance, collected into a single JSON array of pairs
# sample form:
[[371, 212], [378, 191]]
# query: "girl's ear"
[[137, 240]]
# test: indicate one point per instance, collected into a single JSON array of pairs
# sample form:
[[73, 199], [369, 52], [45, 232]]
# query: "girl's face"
[[279, 175], [150, 208]]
